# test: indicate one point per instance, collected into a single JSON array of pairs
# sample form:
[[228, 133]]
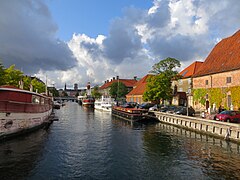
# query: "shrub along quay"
[[228, 131]]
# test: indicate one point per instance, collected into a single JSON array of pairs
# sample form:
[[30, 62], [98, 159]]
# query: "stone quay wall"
[[229, 131]]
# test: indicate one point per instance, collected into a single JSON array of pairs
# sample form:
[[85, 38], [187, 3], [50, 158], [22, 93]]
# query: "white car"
[[154, 108]]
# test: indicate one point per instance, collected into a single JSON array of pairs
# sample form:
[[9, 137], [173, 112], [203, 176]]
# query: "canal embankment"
[[229, 131]]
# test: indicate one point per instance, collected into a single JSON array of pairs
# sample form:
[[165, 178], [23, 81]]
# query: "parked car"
[[156, 107], [163, 109], [183, 111], [146, 105], [228, 116], [171, 109], [130, 105]]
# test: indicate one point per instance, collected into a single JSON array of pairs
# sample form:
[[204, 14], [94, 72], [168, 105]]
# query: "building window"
[[206, 82], [229, 79]]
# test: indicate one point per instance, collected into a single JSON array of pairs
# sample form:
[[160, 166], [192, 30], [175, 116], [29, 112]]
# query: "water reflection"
[[88, 144], [19, 156], [216, 158]]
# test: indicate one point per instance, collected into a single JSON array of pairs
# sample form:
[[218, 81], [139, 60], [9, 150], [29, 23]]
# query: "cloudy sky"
[[76, 41]]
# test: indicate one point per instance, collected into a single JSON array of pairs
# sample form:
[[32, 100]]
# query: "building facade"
[[136, 95], [105, 88], [217, 81], [182, 88]]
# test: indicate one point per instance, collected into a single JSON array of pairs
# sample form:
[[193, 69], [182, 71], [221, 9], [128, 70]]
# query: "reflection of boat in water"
[[88, 101], [104, 104], [22, 111], [18, 156]]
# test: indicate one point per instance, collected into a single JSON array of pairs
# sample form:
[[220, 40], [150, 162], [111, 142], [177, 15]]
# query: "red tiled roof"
[[126, 82], [140, 86], [225, 56], [191, 69]]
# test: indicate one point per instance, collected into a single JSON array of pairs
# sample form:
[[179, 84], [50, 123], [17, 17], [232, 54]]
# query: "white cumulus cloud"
[[183, 29]]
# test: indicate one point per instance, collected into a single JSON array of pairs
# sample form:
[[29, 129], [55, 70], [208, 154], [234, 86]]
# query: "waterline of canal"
[[87, 144]]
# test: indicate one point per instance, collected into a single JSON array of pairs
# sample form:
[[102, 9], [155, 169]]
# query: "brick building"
[[105, 88], [136, 95], [217, 82]]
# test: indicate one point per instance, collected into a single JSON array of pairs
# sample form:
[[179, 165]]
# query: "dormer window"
[[229, 79]]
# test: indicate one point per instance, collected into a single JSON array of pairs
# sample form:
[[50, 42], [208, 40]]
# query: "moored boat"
[[88, 101], [80, 99], [131, 114], [22, 111], [104, 104]]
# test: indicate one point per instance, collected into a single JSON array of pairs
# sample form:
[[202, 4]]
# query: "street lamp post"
[[187, 104], [188, 93]]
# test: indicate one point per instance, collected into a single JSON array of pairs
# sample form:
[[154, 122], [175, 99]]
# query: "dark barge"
[[130, 114]]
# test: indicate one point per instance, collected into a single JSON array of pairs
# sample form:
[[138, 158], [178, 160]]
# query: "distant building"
[[76, 87], [129, 83], [71, 92]]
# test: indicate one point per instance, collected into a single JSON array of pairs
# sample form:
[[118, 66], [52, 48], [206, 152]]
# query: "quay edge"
[[224, 130]]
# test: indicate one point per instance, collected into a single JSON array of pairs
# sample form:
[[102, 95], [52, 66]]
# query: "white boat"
[[104, 104]]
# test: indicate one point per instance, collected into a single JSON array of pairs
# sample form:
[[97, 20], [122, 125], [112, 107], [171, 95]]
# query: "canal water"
[[88, 144]]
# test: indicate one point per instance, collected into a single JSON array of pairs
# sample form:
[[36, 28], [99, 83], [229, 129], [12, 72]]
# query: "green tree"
[[39, 86], [64, 93], [26, 82], [2, 81], [95, 92], [118, 90], [77, 94], [53, 91], [166, 66], [12, 76], [159, 86]]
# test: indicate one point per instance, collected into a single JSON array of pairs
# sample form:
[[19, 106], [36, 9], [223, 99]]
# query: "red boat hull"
[[22, 110]]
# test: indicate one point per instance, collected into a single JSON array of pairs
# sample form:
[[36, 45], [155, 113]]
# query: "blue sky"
[[91, 17], [76, 41]]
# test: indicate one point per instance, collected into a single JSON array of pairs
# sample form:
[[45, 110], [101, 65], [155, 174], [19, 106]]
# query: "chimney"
[[113, 78], [117, 77], [107, 81], [135, 77]]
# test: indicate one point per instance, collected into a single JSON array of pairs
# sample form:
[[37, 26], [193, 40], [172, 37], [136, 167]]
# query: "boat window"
[[42, 100], [45, 101], [35, 99]]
